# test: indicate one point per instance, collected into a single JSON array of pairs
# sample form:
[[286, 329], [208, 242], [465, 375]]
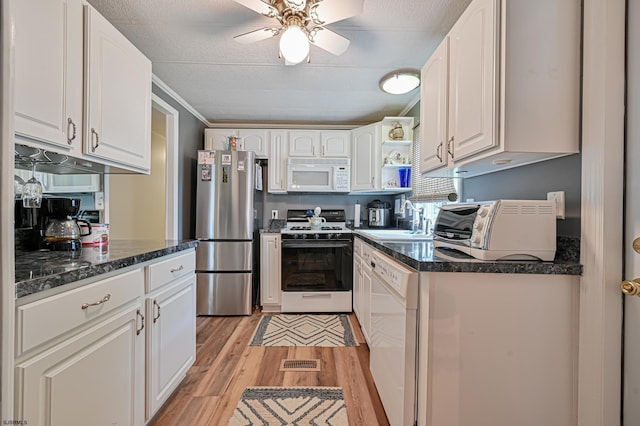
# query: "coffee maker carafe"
[[61, 229]]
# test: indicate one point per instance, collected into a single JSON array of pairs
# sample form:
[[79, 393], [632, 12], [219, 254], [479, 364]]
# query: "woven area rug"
[[290, 406], [304, 330]]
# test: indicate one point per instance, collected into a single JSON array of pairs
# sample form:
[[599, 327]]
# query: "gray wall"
[[533, 182], [191, 138]]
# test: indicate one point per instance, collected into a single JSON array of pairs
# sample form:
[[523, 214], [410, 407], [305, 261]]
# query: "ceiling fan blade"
[[328, 40], [328, 11], [260, 7], [257, 35]]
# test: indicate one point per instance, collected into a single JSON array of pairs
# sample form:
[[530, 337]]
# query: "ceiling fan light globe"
[[399, 83], [294, 44]]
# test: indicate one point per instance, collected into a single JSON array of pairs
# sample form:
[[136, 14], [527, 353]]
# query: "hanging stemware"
[[32, 191]]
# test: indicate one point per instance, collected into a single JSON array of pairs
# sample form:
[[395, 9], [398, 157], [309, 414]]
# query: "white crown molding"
[[169, 91]]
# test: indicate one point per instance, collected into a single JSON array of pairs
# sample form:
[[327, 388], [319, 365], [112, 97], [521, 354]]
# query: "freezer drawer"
[[224, 256], [223, 294]]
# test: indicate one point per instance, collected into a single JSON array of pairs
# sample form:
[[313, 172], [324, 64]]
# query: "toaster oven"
[[499, 230]]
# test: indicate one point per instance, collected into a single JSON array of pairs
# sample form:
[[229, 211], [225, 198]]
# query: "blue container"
[[405, 176]]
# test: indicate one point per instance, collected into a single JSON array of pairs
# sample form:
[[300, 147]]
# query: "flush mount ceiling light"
[[301, 23], [399, 82]]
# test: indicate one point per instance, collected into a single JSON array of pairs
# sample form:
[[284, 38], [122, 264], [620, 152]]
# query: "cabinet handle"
[[97, 139], [155, 318], [177, 269], [450, 147], [313, 151], [323, 150], [71, 126], [439, 152], [372, 179], [138, 331], [99, 302]]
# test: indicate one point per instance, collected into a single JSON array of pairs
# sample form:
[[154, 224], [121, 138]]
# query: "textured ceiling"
[[190, 43]]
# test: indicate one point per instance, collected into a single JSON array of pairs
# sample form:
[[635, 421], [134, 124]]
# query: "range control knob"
[[329, 236], [304, 236], [316, 236], [483, 211], [295, 236], [478, 225], [476, 239]]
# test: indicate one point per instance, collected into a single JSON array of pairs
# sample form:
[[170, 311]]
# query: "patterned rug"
[[304, 330], [290, 406]]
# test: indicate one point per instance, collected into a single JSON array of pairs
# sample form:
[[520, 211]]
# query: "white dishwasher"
[[394, 301]]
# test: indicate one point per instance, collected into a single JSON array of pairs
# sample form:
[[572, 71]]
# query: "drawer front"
[[170, 268], [45, 319], [321, 301]]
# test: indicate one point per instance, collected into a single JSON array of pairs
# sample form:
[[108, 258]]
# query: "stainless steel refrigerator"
[[224, 226]]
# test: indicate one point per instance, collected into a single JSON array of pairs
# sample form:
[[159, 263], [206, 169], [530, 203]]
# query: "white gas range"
[[317, 264]]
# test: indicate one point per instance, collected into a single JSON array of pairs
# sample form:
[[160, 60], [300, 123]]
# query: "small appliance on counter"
[[379, 214], [52, 226], [500, 229]]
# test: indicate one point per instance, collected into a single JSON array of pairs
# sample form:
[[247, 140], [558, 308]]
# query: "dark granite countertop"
[[422, 256], [42, 270]]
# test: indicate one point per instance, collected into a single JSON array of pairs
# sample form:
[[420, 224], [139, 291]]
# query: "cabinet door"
[[93, 378], [118, 94], [256, 141], [270, 274], [217, 138], [277, 162], [171, 339], [357, 287], [473, 80], [365, 322], [48, 71], [365, 165], [335, 143], [433, 110], [304, 143]]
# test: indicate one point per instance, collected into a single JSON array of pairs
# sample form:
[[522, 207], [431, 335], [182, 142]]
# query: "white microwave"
[[319, 175], [501, 229]]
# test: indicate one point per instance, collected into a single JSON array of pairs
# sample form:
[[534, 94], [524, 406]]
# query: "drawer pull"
[[177, 269], [99, 302], [316, 296], [138, 331], [155, 318]]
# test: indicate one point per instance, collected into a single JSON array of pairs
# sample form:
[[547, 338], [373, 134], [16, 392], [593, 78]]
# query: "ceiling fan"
[[301, 22]]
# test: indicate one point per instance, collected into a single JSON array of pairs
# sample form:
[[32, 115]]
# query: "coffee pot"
[[61, 231]]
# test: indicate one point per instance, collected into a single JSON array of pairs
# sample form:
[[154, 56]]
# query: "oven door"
[[317, 265]]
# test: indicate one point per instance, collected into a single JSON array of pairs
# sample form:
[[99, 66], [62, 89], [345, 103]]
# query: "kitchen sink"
[[394, 235]]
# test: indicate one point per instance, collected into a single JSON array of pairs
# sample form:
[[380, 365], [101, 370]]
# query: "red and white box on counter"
[[99, 235]]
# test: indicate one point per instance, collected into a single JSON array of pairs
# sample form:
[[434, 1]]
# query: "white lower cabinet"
[[171, 339], [498, 349], [365, 291], [92, 371], [270, 274], [99, 354]]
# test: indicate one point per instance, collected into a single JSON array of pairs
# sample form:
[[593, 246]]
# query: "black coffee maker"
[[52, 226]]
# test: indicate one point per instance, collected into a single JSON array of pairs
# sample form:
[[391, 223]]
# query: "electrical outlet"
[[558, 197], [98, 200], [274, 214]]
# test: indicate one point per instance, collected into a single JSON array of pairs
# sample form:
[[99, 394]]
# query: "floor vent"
[[300, 365]]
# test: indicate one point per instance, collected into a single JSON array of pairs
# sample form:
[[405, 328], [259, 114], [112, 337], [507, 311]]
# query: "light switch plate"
[[558, 197]]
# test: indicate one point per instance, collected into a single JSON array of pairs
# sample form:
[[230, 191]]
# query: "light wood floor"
[[226, 364]]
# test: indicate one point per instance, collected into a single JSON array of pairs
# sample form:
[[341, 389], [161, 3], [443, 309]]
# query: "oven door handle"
[[314, 244]]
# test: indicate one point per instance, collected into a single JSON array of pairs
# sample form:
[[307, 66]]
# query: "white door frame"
[[173, 151], [7, 267], [599, 363]]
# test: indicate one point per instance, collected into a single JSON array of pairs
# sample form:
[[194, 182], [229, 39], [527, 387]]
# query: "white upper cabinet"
[[335, 143], [511, 91], [118, 96], [472, 80], [256, 140], [277, 179], [365, 162], [315, 143], [48, 72], [304, 143], [433, 109]]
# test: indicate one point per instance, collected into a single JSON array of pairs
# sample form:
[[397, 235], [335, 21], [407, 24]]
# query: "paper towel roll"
[[356, 216]]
